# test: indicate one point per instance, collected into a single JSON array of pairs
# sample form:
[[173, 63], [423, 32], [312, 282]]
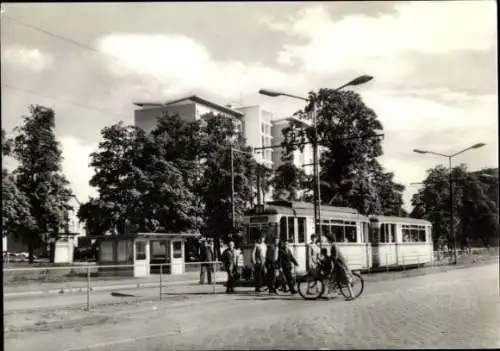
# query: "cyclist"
[[340, 267]]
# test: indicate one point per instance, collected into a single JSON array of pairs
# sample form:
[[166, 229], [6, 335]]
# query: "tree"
[[39, 176], [145, 181], [475, 213], [289, 183], [217, 137], [347, 136], [16, 211]]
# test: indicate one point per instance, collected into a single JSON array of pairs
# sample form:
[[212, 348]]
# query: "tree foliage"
[[217, 137], [39, 176], [475, 204], [351, 174], [145, 181], [16, 210], [289, 183]]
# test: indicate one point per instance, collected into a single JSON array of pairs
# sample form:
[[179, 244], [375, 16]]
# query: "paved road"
[[455, 309]]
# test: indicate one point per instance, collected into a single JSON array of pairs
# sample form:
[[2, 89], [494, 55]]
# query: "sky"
[[434, 65]]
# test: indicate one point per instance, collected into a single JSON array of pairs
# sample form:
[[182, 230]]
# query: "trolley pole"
[[317, 188]]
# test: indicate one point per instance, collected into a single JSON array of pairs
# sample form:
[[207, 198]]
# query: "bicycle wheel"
[[311, 288], [357, 286]]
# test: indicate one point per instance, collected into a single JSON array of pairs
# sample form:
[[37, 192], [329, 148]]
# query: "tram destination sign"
[[259, 219]]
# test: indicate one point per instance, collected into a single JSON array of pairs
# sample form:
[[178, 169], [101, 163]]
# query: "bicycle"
[[313, 286]]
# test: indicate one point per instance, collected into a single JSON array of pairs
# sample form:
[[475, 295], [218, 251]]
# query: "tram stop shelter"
[[137, 252]]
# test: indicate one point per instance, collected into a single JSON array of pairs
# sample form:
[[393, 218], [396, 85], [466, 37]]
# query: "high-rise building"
[[258, 132], [190, 108]]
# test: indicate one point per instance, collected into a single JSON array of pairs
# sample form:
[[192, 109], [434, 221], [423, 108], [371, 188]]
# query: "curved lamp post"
[[452, 229], [317, 192]]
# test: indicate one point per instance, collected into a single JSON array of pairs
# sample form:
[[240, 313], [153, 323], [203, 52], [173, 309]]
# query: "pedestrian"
[[313, 255], [286, 259], [206, 258], [258, 261], [341, 268], [272, 268], [230, 259]]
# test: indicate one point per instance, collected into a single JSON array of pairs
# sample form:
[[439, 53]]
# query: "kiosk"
[[136, 252]]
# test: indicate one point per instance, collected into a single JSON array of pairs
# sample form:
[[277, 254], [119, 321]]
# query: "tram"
[[365, 241]]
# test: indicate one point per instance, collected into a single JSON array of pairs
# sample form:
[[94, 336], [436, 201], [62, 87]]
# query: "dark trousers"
[[231, 279], [287, 272], [270, 276], [206, 267], [259, 276]]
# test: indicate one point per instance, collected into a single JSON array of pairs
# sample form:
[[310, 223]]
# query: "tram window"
[[283, 231], [302, 230], [393, 233], [366, 232], [337, 233], [291, 229], [383, 233], [253, 235], [325, 231], [421, 234], [413, 233], [350, 234]]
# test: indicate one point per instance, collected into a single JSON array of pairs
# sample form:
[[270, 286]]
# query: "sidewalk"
[[22, 290], [192, 278]]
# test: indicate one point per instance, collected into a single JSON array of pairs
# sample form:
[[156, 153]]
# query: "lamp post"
[[450, 179], [317, 191], [232, 151]]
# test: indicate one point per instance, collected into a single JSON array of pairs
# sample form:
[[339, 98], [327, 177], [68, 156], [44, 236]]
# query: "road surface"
[[455, 309]]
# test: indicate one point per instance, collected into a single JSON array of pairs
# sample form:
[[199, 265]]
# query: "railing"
[[90, 278]]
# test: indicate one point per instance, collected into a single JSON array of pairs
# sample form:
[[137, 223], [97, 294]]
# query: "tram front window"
[[269, 231]]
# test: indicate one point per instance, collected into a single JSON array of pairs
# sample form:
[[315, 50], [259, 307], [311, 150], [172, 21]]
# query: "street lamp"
[[317, 191], [452, 224]]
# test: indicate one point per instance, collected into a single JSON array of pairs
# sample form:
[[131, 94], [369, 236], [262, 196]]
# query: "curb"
[[61, 291]]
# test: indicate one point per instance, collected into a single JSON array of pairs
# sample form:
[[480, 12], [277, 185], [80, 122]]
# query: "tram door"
[[375, 241]]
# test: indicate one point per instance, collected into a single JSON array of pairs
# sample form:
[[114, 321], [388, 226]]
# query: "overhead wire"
[[7, 86], [76, 43]]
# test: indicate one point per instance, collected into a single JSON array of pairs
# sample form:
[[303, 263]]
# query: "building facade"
[[190, 109], [258, 132]]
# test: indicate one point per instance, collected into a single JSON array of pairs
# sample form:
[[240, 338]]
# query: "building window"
[[177, 246], [140, 250]]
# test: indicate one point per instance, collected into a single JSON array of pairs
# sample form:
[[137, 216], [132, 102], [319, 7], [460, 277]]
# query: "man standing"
[[272, 255], [206, 258], [313, 255], [258, 261], [230, 260], [286, 259]]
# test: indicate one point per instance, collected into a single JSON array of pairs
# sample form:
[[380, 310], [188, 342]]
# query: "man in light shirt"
[[258, 261], [313, 252]]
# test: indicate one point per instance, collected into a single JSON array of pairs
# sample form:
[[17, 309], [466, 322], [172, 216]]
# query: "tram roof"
[[291, 207], [402, 220]]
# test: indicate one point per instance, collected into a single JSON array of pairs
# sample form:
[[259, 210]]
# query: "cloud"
[[380, 42], [76, 167], [183, 65], [27, 58]]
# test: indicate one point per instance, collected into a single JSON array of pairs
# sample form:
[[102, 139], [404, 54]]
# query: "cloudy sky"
[[434, 63]]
